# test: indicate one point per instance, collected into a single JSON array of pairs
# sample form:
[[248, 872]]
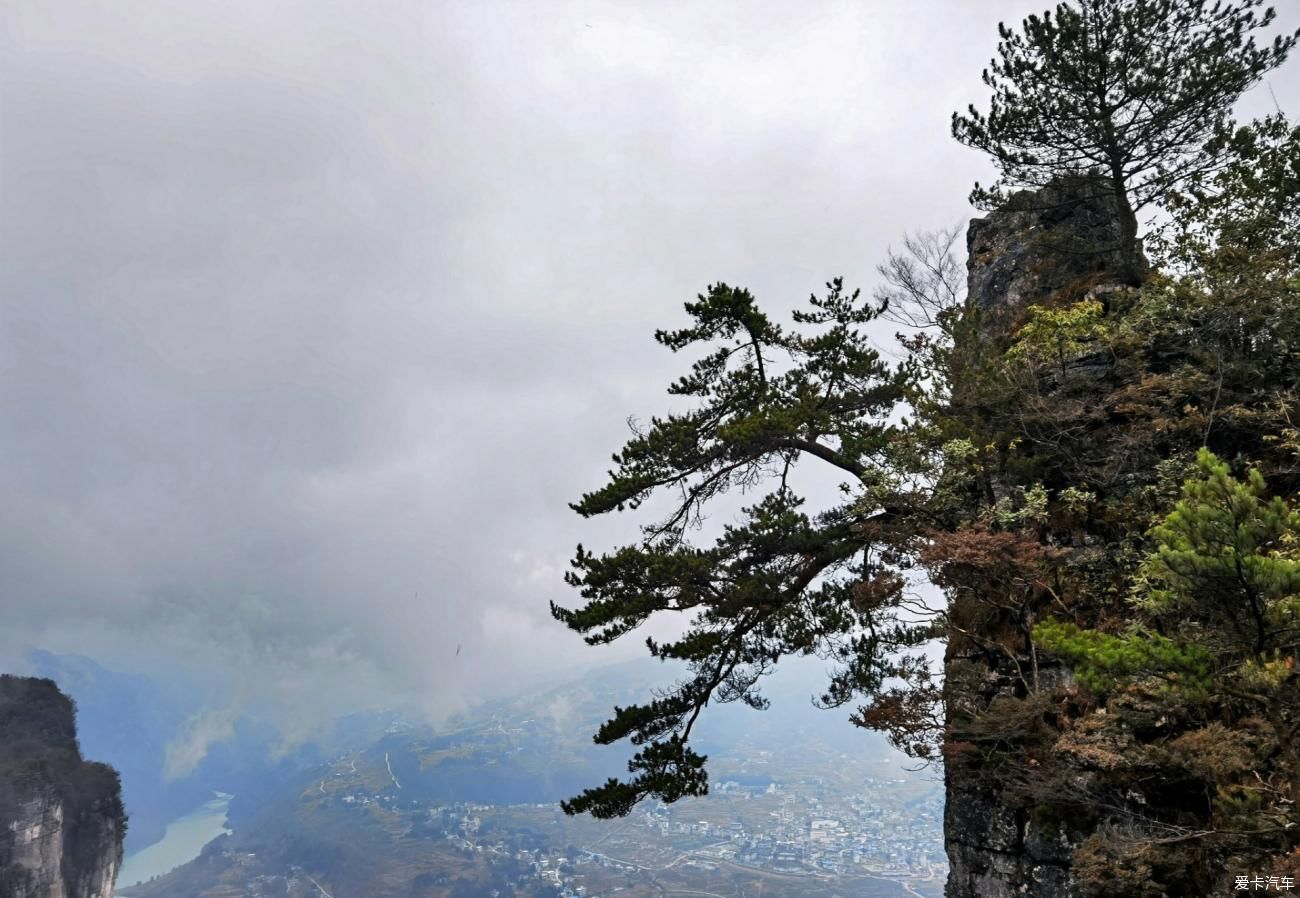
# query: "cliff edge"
[[1050, 247], [61, 817]]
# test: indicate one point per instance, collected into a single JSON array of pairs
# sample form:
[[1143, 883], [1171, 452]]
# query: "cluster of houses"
[[808, 833], [814, 829]]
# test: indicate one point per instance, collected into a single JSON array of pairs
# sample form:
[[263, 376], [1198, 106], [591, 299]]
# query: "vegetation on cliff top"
[[1104, 486], [41, 763], [1131, 97]]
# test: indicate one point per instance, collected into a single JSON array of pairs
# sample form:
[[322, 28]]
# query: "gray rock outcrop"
[[1039, 244], [61, 817], [1053, 246]]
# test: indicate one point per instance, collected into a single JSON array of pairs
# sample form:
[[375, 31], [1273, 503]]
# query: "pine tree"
[[1223, 582], [780, 581], [1125, 97], [1243, 218], [1225, 560]]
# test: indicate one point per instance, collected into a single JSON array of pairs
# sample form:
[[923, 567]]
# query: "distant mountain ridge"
[[129, 721], [527, 751]]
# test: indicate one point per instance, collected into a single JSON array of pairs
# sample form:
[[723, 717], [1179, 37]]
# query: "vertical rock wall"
[[61, 817], [1054, 245]]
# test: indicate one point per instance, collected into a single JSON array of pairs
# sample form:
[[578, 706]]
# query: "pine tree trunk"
[[1130, 254], [1132, 268]]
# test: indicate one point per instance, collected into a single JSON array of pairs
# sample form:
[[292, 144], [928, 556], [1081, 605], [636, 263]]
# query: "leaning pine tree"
[[1129, 97], [781, 580]]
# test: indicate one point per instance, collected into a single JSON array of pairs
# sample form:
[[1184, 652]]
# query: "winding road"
[[390, 771], [319, 886]]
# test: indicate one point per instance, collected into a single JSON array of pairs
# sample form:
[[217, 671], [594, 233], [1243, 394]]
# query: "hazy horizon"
[[316, 320]]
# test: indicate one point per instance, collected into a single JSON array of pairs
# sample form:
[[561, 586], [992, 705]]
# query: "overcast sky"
[[316, 314]]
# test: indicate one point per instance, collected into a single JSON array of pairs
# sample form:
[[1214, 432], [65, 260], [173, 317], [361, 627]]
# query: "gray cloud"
[[315, 315]]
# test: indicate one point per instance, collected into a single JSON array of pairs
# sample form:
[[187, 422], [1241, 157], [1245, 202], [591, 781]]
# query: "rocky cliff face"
[[61, 817], [1039, 244], [1052, 246], [996, 849]]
